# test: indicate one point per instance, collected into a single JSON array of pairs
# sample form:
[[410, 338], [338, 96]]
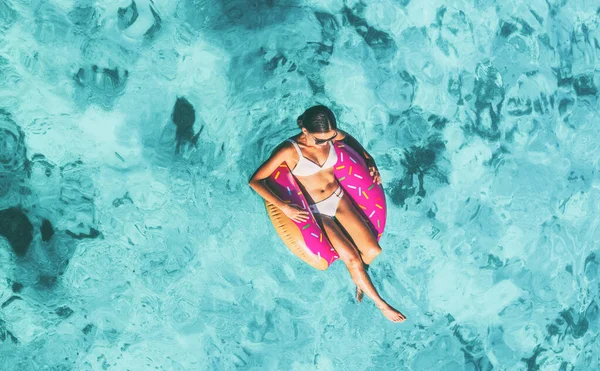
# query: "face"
[[320, 139]]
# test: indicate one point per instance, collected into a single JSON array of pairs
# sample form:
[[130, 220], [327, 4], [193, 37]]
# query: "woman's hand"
[[295, 213], [373, 171]]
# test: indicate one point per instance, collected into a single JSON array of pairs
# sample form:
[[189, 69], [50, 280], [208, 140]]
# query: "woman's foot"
[[391, 313], [359, 294]]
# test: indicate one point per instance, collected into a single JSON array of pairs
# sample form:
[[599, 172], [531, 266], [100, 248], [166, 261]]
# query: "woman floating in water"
[[319, 185]]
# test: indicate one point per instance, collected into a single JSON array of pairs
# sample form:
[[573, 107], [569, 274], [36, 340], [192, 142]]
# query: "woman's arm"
[[257, 180]]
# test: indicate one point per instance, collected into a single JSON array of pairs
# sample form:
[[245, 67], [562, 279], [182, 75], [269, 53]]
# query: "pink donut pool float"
[[306, 239]]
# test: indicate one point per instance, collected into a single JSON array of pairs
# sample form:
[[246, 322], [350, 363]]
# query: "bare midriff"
[[319, 186]]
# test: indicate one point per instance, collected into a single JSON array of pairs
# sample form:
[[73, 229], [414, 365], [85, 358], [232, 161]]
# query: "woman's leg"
[[352, 224], [349, 218], [350, 256]]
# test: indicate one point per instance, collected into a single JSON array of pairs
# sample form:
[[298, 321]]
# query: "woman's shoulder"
[[286, 146], [286, 152], [289, 142]]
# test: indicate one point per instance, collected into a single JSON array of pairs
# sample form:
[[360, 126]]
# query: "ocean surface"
[[132, 241]]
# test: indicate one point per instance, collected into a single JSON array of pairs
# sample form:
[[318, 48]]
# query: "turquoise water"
[[129, 130]]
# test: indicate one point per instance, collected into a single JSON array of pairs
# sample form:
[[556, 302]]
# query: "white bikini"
[[306, 167]]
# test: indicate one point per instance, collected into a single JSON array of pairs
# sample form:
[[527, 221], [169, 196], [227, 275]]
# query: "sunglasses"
[[321, 141]]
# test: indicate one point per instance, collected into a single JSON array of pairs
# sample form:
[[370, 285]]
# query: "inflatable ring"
[[306, 239]]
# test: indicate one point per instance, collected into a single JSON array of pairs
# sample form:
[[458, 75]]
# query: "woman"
[[311, 157]]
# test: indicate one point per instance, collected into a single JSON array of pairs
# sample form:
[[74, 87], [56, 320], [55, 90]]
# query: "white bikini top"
[[306, 167]]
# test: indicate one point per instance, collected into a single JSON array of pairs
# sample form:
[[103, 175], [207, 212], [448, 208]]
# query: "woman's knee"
[[352, 260], [373, 251], [348, 254]]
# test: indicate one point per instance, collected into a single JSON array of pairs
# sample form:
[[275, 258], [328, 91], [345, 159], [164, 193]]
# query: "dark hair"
[[317, 119]]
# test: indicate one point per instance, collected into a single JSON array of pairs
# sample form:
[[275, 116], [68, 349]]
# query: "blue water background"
[[135, 244]]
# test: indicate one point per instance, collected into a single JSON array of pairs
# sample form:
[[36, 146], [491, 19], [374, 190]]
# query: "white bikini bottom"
[[329, 205]]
